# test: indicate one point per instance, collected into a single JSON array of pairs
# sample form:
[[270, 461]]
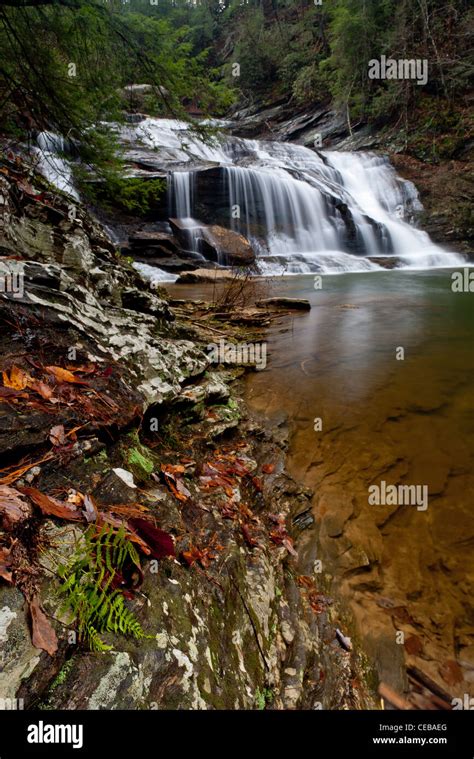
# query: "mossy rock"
[[137, 458]]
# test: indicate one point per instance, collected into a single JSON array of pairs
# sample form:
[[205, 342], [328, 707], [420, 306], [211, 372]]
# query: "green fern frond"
[[87, 582]]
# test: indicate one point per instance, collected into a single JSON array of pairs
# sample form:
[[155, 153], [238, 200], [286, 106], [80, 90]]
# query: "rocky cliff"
[[115, 426]]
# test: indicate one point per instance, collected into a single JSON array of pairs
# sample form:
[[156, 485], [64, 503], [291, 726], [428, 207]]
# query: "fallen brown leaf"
[[43, 635], [44, 390], [52, 506], [13, 508], [5, 572], [57, 436], [15, 474], [175, 483], [64, 375], [17, 380]]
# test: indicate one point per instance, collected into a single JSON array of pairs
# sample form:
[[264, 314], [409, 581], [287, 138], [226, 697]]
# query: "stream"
[[411, 421], [375, 382]]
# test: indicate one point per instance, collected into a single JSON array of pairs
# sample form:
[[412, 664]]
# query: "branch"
[[35, 3]]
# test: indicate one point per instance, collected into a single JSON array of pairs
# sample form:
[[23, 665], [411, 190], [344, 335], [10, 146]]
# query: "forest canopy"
[[64, 63]]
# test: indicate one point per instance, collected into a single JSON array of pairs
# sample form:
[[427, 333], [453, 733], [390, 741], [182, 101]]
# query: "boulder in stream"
[[205, 275], [217, 243], [298, 304]]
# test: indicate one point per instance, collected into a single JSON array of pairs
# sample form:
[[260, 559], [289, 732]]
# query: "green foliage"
[[134, 195], [86, 51], [310, 85], [440, 132], [314, 53], [87, 586], [139, 463], [290, 50], [263, 698]]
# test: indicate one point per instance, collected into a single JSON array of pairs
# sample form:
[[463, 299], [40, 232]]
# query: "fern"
[[87, 591]]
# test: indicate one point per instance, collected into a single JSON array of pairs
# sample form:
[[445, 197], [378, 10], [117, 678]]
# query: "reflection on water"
[[405, 421]]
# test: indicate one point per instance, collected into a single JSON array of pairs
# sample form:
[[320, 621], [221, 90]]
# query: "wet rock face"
[[230, 246], [445, 191], [239, 635], [237, 630]]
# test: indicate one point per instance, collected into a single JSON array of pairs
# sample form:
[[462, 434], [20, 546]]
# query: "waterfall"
[[181, 201], [385, 198], [51, 163], [181, 196], [302, 210]]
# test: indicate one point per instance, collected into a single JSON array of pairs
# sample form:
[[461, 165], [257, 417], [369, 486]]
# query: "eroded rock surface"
[[239, 618]]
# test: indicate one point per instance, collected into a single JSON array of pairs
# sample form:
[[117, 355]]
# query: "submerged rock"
[[205, 275], [297, 304]]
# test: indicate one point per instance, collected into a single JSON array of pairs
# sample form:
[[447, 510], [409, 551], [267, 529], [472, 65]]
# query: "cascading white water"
[[181, 200], [51, 163], [303, 211], [382, 196]]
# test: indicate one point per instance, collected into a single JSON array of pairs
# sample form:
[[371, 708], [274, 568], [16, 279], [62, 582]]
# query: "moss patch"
[[136, 457]]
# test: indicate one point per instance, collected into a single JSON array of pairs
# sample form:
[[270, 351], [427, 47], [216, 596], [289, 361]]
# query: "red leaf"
[[192, 556], [160, 542], [249, 539], [175, 484], [44, 390], [84, 369], [52, 506], [413, 645], [43, 635]]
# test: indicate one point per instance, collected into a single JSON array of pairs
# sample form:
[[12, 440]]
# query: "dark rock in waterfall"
[[215, 242], [387, 262], [175, 264], [163, 250], [232, 246], [212, 197], [149, 244]]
